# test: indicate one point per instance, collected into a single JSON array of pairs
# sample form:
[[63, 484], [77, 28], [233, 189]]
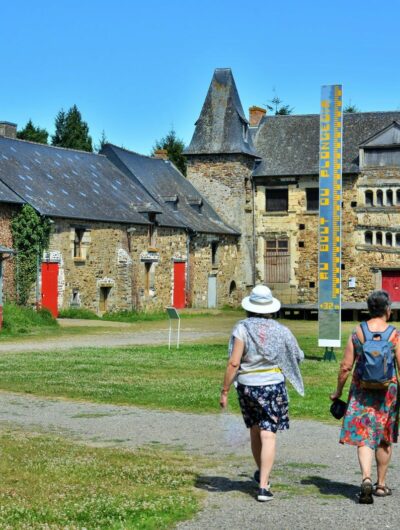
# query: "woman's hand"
[[223, 400], [335, 395]]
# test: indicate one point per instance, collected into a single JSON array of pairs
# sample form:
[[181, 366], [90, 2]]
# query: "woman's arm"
[[346, 367], [231, 370]]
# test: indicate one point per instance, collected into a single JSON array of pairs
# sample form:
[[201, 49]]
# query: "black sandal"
[[381, 491], [366, 492]]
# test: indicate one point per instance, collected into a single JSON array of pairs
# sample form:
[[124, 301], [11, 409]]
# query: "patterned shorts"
[[265, 406]]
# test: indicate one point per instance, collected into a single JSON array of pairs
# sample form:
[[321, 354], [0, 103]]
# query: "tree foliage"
[[31, 233], [103, 140], [174, 147], [33, 134], [278, 107], [71, 131], [351, 108]]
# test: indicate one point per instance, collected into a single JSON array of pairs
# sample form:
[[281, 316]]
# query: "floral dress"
[[372, 415]]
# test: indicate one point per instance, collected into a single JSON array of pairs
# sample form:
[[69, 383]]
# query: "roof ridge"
[[49, 145], [285, 116], [135, 152]]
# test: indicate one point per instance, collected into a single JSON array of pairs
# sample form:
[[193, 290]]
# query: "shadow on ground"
[[331, 487], [223, 485]]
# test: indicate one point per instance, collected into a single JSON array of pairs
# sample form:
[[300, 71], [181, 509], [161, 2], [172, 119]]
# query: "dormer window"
[[245, 130], [172, 201], [196, 204], [383, 149]]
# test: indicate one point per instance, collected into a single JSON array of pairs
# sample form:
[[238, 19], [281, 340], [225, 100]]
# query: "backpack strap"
[[387, 333], [365, 331]]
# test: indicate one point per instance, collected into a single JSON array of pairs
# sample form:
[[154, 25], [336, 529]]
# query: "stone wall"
[[6, 213], [134, 273], [362, 262], [226, 270], [224, 180]]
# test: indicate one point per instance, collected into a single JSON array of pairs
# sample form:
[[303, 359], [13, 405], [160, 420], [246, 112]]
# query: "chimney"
[[8, 129], [255, 115], [162, 154]]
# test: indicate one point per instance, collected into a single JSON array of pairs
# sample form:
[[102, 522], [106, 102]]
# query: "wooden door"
[[179, 298], [50, 287], [391, 284]]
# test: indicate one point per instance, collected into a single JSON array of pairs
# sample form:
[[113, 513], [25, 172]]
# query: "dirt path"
[[315, 479]]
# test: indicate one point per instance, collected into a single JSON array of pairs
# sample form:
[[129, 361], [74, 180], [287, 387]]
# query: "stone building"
[[261, 175], [128, 231]]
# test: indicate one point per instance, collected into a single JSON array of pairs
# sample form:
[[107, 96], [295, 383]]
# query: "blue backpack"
[[377, 360]]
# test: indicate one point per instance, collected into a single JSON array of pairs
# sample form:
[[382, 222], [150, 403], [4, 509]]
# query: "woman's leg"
[[255, 441], [268, 445], [365, 457], [383, 455]]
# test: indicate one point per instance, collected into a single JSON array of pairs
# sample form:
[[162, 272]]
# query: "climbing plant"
[[31, 233]]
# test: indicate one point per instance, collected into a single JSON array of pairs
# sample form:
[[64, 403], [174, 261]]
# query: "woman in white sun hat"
[[262, 355]]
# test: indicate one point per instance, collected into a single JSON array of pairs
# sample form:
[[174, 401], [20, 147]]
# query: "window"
[[277, 261], [214, 252], [149, 273], [397, 196], [353, 204], [301, 244], [196, 204], [397, 240], [302, 226], [276, 200], [379, 198], [368, 238], [379, 238], [311, 285], [232, 287], [312, 195], [247, 190], [78, 238], [389, 198], [369, 198], [389, 239]]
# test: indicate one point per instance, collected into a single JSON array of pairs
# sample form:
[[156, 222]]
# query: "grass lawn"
[[48, 482], [187, 379]]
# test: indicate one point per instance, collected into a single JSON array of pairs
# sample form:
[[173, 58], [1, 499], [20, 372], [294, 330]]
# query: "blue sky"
[[135, 69]]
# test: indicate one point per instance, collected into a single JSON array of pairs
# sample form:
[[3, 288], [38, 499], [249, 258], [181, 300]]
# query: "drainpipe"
[[191, 234], [253, 193]]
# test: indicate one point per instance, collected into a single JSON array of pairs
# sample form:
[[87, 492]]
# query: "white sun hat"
[[261, 301]]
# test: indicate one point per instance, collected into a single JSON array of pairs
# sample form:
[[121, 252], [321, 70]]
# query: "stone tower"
[[220, 162]]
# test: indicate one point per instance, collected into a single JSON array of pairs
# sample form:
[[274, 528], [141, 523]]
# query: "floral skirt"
[[371, 417], [265, 406]]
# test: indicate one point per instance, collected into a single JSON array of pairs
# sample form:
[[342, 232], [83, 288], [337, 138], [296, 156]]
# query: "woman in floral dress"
[[371, 419]]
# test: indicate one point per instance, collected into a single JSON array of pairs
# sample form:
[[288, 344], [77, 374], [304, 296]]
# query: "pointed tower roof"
[[222, 126]]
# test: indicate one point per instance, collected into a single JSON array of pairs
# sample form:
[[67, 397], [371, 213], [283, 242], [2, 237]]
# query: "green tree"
[[33, 134], [351, 108], [279, 108], [71, 131], [31, 233], [103, 140], [174, 147]]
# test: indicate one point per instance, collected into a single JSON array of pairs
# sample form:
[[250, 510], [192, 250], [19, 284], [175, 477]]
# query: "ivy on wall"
[[31, 234]]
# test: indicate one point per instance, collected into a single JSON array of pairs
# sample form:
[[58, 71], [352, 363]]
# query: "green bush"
[[78, 312], [19, 319]]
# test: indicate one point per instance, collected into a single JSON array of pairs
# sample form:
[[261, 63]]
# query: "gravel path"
[[315, 479], [112, 339]]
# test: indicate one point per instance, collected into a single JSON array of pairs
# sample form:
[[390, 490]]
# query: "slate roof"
[[167, 185], [73, 184], [289, 145], [7, 195], [222, 122]]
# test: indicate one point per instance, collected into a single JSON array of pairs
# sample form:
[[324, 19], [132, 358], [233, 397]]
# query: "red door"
[[179, 285], [50, 287], [391, 284]]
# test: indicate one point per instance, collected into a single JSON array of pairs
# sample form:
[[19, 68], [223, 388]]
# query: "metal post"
[[329, 355], [170, 333], [179, 332]]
